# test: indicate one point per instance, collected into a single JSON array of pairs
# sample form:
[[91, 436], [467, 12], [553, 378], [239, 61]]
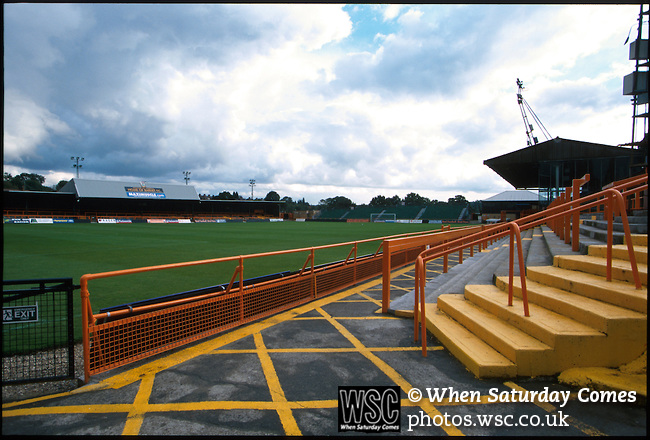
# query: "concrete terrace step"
[[529, 354], [543, 324], [621, 269], [534, 252], [620, 293], [600, 234], [477, 269], [573, 344], [640, 240], [620, 252], [477, 356], [637, 226], [604, 317]]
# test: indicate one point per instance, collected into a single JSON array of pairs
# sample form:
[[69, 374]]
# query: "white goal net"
[[383, 217]]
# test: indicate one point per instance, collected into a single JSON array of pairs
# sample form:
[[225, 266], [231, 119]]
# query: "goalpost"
[[383, 217]]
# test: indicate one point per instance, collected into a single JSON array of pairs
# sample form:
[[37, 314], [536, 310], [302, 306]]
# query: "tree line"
[[29, 182], [290, 205], [411, 199], [35, 182]]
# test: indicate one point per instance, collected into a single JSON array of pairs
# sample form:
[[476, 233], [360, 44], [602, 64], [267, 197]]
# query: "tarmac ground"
[[281, 376]]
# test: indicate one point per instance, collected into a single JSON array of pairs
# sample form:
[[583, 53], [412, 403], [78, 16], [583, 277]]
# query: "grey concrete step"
[[600, 235], [478, 269], [482, 268], [637, 225]]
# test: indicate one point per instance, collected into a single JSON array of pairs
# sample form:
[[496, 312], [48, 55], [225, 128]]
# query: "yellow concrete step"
[[477, 356], [542, 324], [530, 355], [621, 269], [607, 318], [639, 240], [615, 292], [620, 252], [574, 344]]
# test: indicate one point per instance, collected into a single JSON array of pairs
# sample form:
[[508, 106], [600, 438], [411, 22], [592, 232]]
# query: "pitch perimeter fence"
[[119, 337], [37, 330]]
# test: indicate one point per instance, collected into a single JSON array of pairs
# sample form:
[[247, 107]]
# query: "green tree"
[[458, 200], [8, 182], [413, 199], [338, 202], [224, 195], [25, 182], [394, 201], [378, 201], [272, 196], [60, 185]]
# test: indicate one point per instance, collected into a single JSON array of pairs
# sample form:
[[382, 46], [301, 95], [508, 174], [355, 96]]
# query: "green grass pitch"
[[71, 250]]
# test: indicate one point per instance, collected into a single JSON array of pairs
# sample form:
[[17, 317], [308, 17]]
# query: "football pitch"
[[71, 250]]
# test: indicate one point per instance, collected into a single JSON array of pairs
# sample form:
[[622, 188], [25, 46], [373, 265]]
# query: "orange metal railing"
[[612, 199], [116, 338], [397, 249]]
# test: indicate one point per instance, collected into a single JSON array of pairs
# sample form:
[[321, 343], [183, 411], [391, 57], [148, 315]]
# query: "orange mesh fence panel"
[[335, 279], [263, 301], [138, 336], [369, 268], [130, 339]]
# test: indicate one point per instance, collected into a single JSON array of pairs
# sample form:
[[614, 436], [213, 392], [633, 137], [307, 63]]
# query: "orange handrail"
[[610, 198], [96, 325]]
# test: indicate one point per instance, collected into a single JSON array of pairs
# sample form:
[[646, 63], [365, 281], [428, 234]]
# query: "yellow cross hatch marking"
[[277, 393]]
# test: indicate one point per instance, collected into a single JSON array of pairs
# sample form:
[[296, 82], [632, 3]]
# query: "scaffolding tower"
[[636, 85]]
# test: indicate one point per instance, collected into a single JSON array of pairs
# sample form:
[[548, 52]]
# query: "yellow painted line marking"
[[139, 408], [587, 429], [322, 350], [69, 409], [320, 318], [277, 393], [388, 371], [384, 317], [205, 406], [406, 289], [373, 300], [91, 387], [544, 405]]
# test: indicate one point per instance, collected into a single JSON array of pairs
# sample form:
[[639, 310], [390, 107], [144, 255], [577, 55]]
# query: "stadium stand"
[[331, 214], [84, 199], [444, 211], [439, 212]]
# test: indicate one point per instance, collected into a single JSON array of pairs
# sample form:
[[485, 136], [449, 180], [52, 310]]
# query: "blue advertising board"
[[144, 192]]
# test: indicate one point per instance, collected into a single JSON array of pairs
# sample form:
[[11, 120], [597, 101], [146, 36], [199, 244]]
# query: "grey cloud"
[[89, 64], [428, 57]]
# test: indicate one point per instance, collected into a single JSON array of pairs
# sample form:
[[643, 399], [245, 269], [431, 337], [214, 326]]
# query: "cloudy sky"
[[311, 101]]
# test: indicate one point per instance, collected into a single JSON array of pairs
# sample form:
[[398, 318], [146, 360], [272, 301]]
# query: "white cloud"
[[286, 95], [26, 126], [392, 11]]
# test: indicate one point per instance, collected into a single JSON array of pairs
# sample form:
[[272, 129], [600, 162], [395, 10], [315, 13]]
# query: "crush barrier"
[[122, 335]]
